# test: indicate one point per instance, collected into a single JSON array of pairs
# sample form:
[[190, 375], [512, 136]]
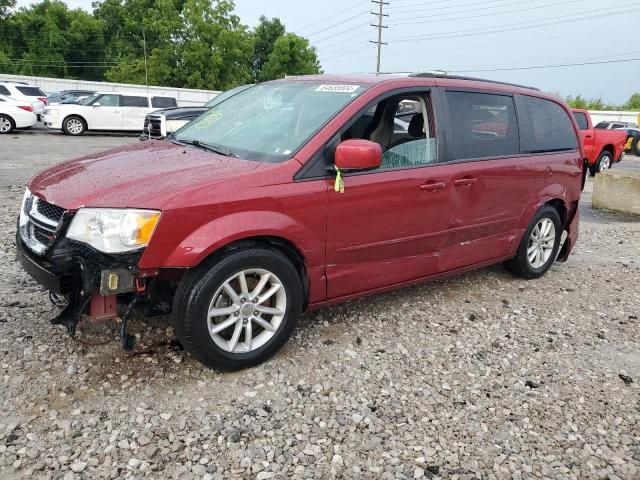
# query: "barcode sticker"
[[338, 88]]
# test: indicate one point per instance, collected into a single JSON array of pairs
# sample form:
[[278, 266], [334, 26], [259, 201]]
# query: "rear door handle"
[[465, 182], [433, 186]]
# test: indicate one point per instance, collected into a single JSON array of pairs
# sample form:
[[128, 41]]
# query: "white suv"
[[103, 111], [25, 92]]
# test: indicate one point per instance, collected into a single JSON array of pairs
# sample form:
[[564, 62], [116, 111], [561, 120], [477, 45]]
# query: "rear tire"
[[6, 124], [74, 125], [539, 246], [604, 162], [212, 295]]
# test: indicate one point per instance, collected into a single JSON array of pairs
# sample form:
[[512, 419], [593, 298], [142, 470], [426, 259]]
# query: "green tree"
[[5, 8], [291, 55], [633, 103], [265, 36]]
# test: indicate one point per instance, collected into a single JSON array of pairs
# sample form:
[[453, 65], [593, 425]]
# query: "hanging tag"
[[339, 185]]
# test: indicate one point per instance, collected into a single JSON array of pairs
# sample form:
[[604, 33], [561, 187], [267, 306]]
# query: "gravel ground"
[[481, 376]]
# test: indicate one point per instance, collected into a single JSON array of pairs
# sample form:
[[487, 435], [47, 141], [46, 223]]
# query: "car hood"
[[152, 174], [177, 113]]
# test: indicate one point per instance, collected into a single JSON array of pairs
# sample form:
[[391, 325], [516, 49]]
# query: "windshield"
[[224, 95], [88, 100], [271, 121]]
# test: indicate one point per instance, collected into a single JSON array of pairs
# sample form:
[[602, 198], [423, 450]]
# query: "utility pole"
[[146, 71], [380, 13]]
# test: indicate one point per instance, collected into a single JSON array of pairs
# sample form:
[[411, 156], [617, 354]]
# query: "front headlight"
[[113, 230], [26, 205]]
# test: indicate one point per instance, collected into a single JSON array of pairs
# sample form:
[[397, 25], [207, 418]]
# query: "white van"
[[104, 111]]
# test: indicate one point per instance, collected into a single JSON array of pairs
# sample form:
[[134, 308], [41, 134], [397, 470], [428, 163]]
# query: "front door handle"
[[465, 182], [433, 186]]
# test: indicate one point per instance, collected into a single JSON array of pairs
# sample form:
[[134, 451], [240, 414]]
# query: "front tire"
[[74, 125], [6, 124], [237, 311], [604, 162], [539, 246]]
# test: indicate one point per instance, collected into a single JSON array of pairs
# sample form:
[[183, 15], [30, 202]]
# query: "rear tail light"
[[28, 108], [43, 100]]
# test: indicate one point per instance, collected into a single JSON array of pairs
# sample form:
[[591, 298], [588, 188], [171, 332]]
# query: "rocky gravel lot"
[[482, 376]]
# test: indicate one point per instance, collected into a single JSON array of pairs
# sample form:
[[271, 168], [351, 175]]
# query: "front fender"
[[201, 242]]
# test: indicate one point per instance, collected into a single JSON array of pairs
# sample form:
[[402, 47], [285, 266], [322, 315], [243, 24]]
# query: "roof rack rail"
[[440, 74]]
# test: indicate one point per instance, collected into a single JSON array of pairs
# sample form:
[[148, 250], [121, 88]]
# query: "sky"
[[483, 38]]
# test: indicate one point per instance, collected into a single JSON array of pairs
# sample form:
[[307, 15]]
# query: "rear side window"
[[483, 125], [131, 101], [163, 102], [549, 127], [4, 90], [581, 118], [31, 91], [617, 125], [602, 125]]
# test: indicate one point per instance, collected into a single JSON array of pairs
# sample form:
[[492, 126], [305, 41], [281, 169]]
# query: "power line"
[[516, 26], [358, 15], [557, 65], [380, 14], [330, 17], [418, 20]]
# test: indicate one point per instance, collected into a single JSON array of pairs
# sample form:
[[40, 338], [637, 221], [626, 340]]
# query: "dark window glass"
[[163, 102], [602, 125], [482, 125], [617, 125], [549, 130], [1, 100], [130, 101], [4, 90], [581, 118], [31, 91]]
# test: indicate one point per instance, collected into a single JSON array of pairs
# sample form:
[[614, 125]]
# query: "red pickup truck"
[[601, 147]]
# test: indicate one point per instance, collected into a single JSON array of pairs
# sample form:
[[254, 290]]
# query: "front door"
[[389, 225], [106, 113]]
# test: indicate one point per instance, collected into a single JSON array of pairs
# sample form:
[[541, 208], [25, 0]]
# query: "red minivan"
[[303, 192]]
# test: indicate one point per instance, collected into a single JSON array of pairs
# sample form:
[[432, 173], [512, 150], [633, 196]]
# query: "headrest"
[[416, 125]]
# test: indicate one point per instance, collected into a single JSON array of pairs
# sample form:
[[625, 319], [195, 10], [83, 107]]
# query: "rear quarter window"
[[163, 102], [31, 91], [4, 90], [548, 127]]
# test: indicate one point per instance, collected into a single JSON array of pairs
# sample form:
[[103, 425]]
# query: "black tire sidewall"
[[191, 314], [64, 125], [635, 146], [11, 123], [525, 269]]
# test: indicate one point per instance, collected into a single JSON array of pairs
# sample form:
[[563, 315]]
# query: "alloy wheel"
[[541, 243], [5, 125], [247, 310], [74, 126], [605, 163]]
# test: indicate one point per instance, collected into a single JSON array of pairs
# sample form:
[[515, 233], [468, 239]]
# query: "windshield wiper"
[[219, 149]]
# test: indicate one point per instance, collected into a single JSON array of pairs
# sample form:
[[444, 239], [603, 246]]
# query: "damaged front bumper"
[[90, 280]]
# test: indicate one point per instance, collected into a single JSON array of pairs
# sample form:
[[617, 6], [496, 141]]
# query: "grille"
[[39, 223]]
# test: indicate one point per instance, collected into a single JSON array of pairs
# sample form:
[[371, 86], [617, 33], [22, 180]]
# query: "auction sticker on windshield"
[[338, 88]]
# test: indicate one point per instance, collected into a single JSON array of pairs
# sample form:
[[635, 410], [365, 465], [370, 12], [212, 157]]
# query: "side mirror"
[[358, 154]]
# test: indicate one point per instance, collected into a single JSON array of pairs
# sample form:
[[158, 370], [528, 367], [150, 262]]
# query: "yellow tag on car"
[[339, 185]]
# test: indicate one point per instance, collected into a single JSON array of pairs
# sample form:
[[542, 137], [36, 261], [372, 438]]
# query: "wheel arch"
[[11, 119], [86, 124], [275, 242]]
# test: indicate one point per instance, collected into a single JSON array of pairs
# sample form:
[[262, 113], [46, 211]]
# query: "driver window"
[[403, 127]]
